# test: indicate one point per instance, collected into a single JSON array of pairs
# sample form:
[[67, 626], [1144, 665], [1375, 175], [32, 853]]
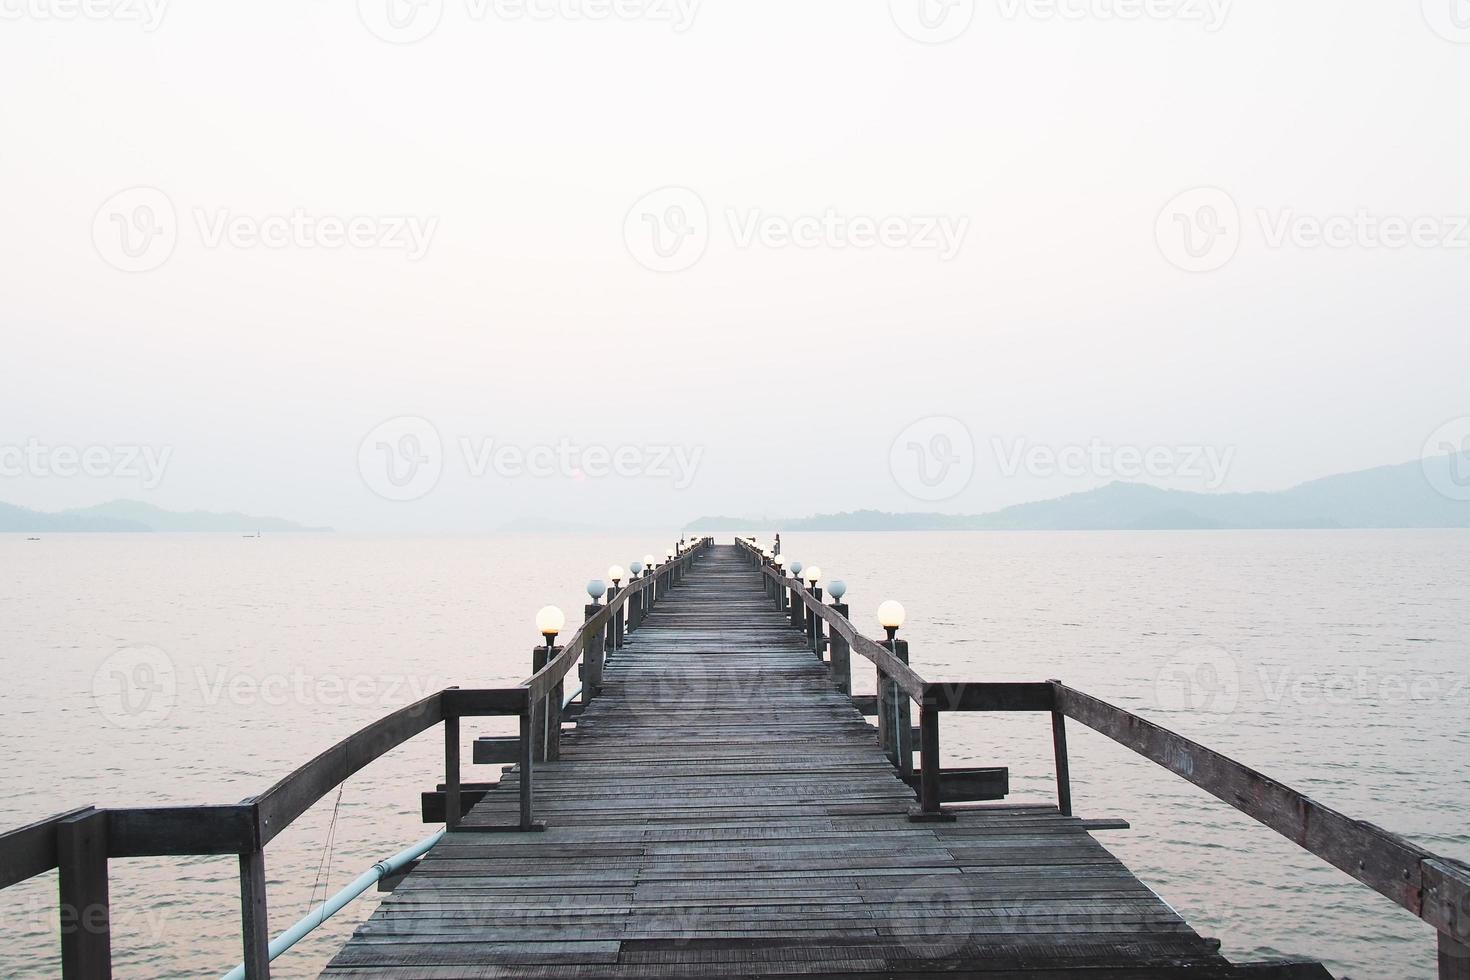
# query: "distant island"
[[136, 516], [1400, 496]]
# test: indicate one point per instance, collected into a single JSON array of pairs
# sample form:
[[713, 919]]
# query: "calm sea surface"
[[1338, 662]]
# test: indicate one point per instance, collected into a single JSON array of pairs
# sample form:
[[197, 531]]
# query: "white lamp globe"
[[549, 621], [891, 615], [616, 574], [837, 589], [637, 567], [780, 562], [649, 561], [669, 554], [596, 589], [813, 574], [795, 567]]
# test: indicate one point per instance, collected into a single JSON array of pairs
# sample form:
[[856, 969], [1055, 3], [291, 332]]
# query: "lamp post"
[[780, 589], [635, 601], [814, 621], [891, 616], [546, 736], [893, 705], [615, 622], [839, 655], [596, 644], [798, 608]]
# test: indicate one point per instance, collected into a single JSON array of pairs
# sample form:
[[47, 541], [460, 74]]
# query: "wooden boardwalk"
[[721, 810]]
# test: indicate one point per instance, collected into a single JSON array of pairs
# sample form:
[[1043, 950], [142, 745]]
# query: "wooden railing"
[[80, 842], [1433, 887]]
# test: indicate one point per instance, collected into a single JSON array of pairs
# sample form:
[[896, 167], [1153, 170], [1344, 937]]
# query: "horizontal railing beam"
[[954, 696], [907, 679], [181, 830], [1384, 861], [31, 850], [469, 703]]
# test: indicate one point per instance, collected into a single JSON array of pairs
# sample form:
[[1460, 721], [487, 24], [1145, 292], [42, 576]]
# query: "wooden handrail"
[[1433, 887], [907, 679], [245, 828], [544, 681], [242, 829]]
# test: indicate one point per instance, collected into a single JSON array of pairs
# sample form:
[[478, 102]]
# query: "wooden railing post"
[[619, 628], [798, 608], [930, 808], [592, 657], [452, 807], [546, 732], [887, 706], [814, 624], [255, 927], [86, 913], [635, 610], [528, 763], [840, 655], [1064, 769], [903, 737]]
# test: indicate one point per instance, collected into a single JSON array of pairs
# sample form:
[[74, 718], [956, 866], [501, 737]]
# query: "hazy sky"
[[326, 260]]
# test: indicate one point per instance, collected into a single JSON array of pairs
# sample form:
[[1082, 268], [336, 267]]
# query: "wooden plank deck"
[[721, 810]]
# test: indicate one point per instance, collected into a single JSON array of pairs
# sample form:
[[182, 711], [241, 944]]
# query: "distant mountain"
[[1401, 496], [134, 515], [20, 519]]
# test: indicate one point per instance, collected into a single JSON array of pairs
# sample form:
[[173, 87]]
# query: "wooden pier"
[[722, 809], [715, 803]]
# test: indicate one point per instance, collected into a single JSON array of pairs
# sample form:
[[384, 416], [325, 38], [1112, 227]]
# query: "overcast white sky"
[[1033, 289]]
